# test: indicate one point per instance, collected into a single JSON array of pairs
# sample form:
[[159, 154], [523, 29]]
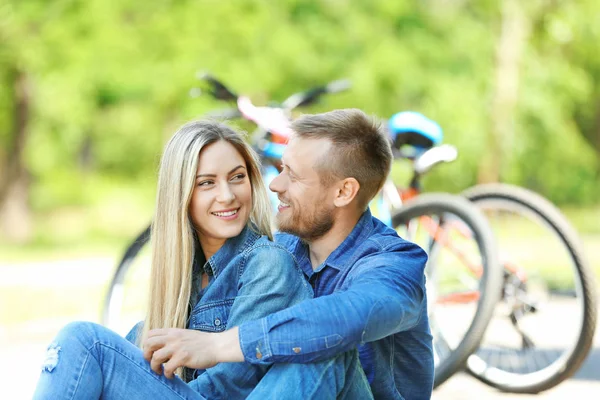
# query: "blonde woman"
[[214, 266]]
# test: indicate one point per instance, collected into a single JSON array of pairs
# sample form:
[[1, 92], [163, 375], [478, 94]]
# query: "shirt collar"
[[231, 248], [339, 258]]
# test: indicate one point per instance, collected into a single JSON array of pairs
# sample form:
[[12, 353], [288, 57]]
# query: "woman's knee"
[[80, 331], [71, 337]]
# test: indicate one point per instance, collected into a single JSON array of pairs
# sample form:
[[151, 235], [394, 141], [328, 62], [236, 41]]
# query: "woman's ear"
[[346, 191]]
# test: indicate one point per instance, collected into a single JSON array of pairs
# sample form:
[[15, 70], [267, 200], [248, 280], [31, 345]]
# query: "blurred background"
[[90, 90]]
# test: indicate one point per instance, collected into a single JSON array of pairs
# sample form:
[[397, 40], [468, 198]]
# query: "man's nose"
[[276, 184]]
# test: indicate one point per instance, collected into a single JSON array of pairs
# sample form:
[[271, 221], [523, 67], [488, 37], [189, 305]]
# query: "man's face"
[[306, 207]]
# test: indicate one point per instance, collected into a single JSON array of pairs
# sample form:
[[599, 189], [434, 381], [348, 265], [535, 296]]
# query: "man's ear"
[[346, 191]]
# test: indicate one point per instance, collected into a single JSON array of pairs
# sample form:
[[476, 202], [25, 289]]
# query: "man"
[[369, 283]]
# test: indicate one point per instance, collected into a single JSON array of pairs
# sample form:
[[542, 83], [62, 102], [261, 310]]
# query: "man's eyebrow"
[[214, 175], [283, 163]]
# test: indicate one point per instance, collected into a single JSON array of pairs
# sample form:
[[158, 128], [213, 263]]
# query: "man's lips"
[[282, 205]]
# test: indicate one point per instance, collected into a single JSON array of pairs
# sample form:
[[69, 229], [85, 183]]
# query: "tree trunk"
[[15, 214], [595, 135], [509, 49]]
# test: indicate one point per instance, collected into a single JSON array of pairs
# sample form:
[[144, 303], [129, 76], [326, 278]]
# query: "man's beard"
[[308, 227]]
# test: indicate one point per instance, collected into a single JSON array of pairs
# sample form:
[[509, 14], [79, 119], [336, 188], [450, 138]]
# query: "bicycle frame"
[[272, 134], [391, 198]]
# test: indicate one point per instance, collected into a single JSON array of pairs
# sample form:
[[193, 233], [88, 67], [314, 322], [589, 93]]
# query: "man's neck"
[[321, 248]]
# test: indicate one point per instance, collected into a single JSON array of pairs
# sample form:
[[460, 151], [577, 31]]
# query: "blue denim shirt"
[[370, 294], [249, 277]]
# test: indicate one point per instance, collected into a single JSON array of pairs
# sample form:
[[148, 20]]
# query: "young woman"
[[214, 265]]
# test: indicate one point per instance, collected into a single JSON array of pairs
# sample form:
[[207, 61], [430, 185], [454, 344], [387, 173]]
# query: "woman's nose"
[[226, 195]]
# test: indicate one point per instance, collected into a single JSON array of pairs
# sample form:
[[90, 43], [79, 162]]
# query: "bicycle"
[[511, 357], [268, 140], [450, 220]]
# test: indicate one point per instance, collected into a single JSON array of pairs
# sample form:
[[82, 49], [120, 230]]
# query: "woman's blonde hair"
[[172, 238]]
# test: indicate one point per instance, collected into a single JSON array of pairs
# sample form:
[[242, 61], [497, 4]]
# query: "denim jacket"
[[249, 277], [370, 294]]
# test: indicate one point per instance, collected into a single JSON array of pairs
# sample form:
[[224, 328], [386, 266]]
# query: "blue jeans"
[[89, 361]]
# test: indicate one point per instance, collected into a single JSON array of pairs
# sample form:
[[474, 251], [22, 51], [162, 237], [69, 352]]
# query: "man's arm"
[[270, 281], [388, 297]]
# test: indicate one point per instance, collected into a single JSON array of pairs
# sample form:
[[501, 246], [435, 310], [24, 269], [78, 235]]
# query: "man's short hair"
[[360, 149]]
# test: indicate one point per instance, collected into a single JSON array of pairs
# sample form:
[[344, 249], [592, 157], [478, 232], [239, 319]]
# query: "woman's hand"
[[172, 348]]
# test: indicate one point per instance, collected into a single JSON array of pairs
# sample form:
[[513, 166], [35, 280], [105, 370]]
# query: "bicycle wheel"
[[544, 325], [127, 295], [464, 280]]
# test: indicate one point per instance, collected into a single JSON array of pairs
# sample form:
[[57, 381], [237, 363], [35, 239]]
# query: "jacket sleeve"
[[134, 334], [269, 282], [386, 295]]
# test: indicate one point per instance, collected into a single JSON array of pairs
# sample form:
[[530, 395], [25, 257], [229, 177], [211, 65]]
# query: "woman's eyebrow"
[[214, 175]]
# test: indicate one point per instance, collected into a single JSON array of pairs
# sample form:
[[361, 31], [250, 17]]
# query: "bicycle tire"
[[113, 298], [564, 366], [490, 284]]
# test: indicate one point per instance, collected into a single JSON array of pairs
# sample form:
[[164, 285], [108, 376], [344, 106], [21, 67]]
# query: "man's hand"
[[173, 348]]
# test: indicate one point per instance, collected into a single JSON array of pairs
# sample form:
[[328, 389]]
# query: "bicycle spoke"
[[546, 294]]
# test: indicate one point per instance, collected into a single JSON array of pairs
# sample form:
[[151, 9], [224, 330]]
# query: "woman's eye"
[[205, 183], [238, 177]]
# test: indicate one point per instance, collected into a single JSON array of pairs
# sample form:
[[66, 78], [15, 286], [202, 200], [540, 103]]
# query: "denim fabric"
[[340, 377], [89, 361], [93, 362], [249, 277], [370, 294]]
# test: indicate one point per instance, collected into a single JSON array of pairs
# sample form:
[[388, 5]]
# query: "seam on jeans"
[[325, 368], [148, 371], [80, 373]]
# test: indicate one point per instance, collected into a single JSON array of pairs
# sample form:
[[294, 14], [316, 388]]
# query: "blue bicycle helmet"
[[414, 129]]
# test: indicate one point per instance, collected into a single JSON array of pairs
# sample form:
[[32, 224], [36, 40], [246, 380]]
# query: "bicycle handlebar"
[[219, 91], [311, 96]]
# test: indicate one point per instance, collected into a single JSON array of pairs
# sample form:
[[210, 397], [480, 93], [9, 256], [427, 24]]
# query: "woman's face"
[[222, 196]]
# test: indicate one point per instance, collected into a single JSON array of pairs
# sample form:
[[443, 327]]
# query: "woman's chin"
[[230, 229]]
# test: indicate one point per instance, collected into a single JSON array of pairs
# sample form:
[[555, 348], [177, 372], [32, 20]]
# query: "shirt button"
[[217, 322], [296, 349], [258, 354]]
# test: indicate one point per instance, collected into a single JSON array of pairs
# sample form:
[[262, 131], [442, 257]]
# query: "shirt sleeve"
[[270, 281], [385, 296]]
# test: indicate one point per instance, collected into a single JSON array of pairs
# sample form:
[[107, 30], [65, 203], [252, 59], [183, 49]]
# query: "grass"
[[106, 231], [49, 302]]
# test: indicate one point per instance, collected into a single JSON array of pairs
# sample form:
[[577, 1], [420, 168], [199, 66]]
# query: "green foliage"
[[110, 81]]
